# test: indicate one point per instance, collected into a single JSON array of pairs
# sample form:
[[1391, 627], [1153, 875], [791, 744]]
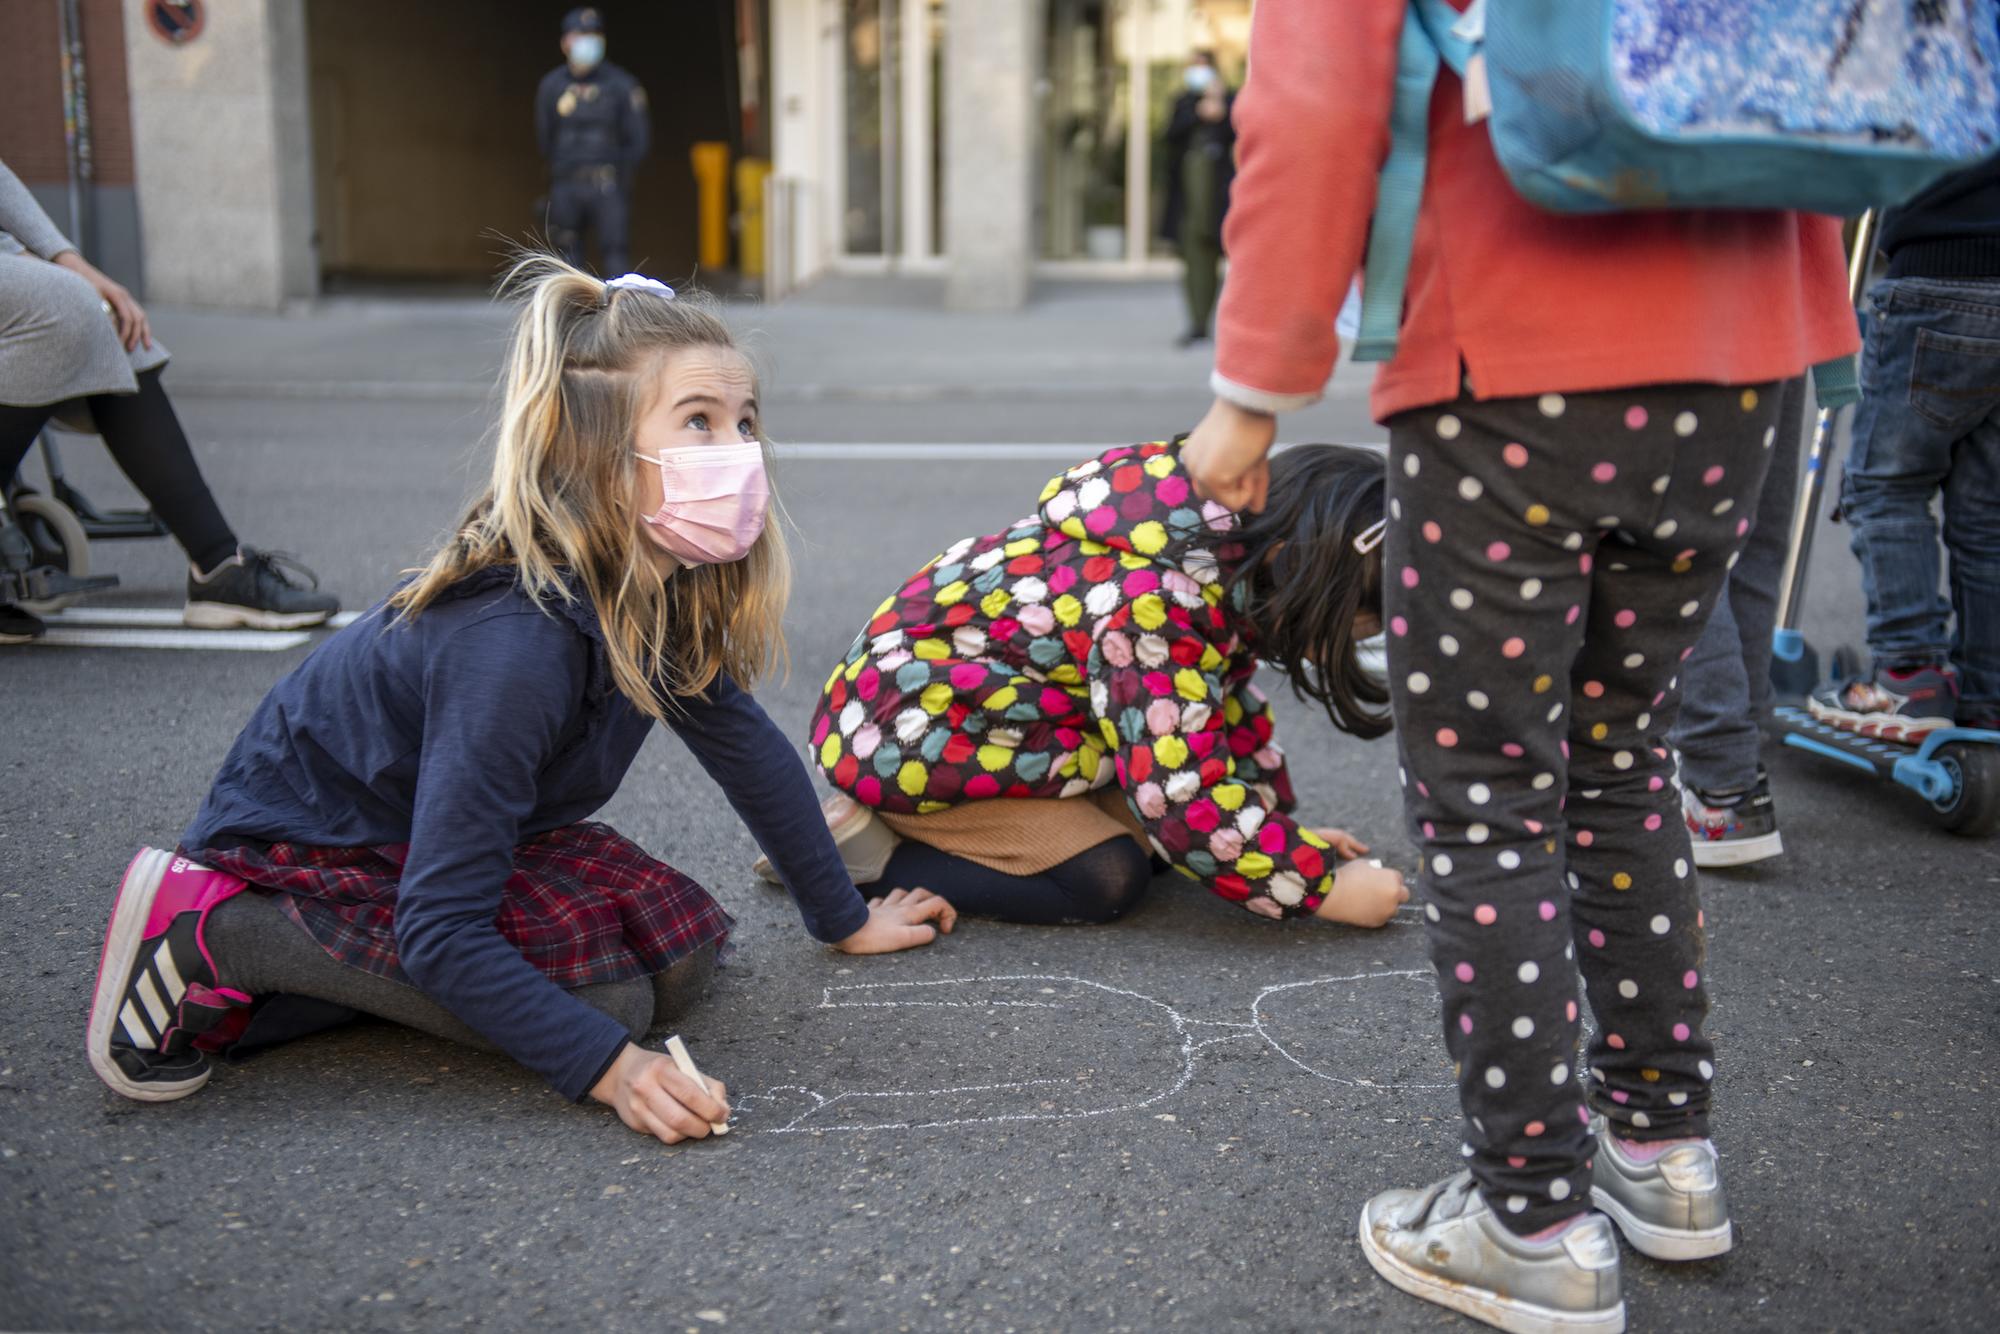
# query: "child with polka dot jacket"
[[1030, 704]]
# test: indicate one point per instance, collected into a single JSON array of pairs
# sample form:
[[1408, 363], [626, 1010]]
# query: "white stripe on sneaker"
[[149, 995], [163, 964], [135, 1028]]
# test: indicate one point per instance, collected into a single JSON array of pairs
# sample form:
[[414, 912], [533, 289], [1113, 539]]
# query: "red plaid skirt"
[[584, 905]]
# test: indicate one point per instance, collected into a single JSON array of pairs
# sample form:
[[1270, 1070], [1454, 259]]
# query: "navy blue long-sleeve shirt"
[[482, 723]]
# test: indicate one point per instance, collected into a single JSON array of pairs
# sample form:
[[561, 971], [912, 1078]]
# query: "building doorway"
[[425, 162], [1111, 65]]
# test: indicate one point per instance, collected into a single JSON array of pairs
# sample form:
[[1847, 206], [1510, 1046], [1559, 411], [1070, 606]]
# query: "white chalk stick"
[[678, 1050]]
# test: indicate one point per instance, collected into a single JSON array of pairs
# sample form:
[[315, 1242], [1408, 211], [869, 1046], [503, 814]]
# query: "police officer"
[[592, 122]]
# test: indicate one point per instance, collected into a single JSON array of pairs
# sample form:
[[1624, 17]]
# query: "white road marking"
[[126, 616], [230, 641], [151, 617]]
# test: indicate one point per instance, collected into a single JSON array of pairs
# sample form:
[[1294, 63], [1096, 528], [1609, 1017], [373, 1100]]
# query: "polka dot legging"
[[1550, 564]]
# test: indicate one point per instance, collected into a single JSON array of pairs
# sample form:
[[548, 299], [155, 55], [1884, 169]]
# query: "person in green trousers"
[[1201, 160]]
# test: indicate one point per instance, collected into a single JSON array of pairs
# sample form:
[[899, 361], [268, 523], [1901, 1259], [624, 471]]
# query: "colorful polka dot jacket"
[[1093, 642]]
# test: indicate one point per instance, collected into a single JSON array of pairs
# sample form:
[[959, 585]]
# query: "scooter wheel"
[[1973, 810], [59, 540]]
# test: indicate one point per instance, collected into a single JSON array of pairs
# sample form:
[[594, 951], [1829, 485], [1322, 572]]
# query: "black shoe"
[[255, 589], [19, 627], [157, 993], [1732, 828], [1191, 337]]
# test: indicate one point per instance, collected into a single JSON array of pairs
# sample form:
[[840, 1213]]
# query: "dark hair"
[[1207, 57], [1299, 582]]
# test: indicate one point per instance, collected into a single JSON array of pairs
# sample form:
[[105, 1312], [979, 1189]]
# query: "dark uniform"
[[594, 129]]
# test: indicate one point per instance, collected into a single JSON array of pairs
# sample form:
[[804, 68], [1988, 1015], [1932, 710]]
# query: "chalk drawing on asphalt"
[[1323, 1027]]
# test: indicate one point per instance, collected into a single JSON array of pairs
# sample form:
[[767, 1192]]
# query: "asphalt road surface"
[[1167, 1123]]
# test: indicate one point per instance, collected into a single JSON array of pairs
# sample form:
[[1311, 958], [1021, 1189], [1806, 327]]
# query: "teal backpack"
[[1826, 106]]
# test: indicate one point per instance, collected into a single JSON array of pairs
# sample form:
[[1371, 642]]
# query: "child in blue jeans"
[[1929, 423]]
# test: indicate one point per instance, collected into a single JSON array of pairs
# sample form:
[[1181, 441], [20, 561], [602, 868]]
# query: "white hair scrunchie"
[[642, 283]]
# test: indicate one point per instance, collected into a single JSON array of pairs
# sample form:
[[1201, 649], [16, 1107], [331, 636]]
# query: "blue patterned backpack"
[[1827, 106]]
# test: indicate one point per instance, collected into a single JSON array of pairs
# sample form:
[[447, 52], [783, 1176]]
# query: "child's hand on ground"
[[651, 1095], [1228, 456], [1344, 843], [904, 920], [1364, 895]]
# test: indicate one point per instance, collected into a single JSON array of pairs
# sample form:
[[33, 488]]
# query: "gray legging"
[[268, 953]]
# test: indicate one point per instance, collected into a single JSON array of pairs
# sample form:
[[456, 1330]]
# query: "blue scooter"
[[1955, 770]]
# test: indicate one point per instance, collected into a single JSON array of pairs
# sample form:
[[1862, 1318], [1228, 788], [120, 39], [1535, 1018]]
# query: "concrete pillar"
[[992, 55], [223, 149]]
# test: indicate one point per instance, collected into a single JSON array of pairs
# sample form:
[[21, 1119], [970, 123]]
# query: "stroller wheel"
[[1973, 807], [57, 536]]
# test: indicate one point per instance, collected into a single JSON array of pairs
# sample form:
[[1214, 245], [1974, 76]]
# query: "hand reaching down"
[[904, 920], [1364, 895], [1347, 845]]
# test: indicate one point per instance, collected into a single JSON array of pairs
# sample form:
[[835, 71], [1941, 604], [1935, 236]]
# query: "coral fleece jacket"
[[1517, 300]]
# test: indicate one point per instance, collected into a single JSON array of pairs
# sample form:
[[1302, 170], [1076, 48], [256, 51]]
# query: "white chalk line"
[[1190, 1046], [1256, 1011]]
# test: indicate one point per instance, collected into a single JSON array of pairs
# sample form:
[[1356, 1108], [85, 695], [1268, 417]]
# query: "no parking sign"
[[176, 22]]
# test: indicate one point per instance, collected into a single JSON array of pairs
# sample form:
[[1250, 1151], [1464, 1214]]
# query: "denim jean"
[[1929, 422], [1726, 685]]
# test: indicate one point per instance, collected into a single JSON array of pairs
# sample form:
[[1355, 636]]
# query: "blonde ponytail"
[[581, 365]]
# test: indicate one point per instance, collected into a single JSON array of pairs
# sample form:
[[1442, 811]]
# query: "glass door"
[[1086, 120], [892, 72], [1110, 65]]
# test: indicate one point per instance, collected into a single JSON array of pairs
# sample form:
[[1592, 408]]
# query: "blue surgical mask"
[[1199, 78], [586, 50]]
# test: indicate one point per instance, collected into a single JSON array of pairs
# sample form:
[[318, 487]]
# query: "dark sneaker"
[[19, 627], [257, 589], [157, 990], [1899, 704], [1732, 828]]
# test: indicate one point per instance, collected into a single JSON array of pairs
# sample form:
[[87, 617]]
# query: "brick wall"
[[31, 109]]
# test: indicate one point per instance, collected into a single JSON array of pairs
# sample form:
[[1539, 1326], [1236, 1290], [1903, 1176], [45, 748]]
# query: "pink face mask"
[[714, 499]]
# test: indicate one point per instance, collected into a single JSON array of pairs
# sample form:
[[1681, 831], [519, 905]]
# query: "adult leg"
[[1972, 536], [18, 428], [1726, 685], [1201, 246], [1501, 512], [145, 438], [614, 229], [261, 951], [566, 218], [1099, 884]]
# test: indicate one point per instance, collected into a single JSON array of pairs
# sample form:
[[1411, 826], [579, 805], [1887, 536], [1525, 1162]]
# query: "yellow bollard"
[[711, 185], [751, 173]]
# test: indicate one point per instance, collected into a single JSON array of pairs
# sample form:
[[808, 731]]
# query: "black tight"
[[1100, 884], [145, 438]]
